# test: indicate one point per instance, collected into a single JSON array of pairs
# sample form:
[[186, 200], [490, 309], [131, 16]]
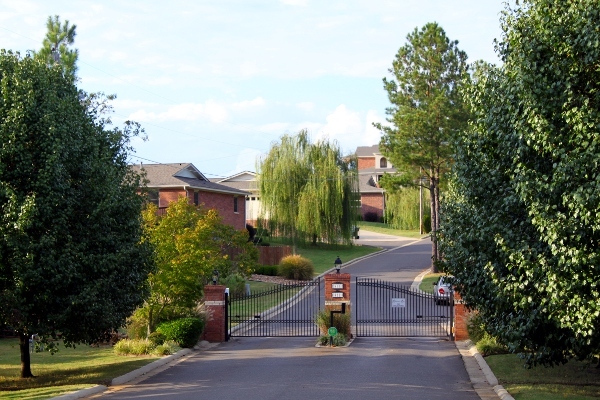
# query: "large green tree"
[[190, 243], [308, 190], [521, 231], [427, 109], [56, 47], [72, 264]]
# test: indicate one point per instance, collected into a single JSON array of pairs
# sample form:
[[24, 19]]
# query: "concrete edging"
[[485, 369], [124, 378], [466, 349]]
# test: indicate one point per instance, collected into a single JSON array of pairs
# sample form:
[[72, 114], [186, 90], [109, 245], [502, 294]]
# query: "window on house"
[[235, 204], [196, 198], [383, 162], [154, 196]]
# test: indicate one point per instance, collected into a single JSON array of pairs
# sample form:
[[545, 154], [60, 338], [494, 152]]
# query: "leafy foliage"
[[308, 190], [520, 224], [189, 244], [55, 49], [296, 267], [71, 257], [142, 347], [402, 208], [185, 331], [427, 109], [342, 322]]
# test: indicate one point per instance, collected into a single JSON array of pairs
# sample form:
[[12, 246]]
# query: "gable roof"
[[245, 180], [367, 151], [181, 175]]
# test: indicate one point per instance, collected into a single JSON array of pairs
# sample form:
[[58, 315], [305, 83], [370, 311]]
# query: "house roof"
[[377, 171], [244, 181], [367, 151], [178, 175], [366, 184]]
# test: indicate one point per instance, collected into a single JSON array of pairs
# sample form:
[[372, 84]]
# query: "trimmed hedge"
[[184, 331], [269, 270]]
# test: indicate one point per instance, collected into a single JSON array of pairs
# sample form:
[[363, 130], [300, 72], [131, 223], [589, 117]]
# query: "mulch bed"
[[278, 280]]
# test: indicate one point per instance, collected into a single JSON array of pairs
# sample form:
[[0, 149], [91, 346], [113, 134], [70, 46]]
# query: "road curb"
[[483, 372], [149, 367], [128, 377], [82, 393]]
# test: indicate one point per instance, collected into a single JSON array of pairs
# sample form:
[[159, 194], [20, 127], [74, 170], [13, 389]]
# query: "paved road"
[[402, 261], [292, 368]]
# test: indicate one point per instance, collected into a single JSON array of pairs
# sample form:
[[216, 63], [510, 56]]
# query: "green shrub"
[[167, 348], [236, 284], [340, 340], [475, 327], [342, 322], [269, 270], [156, 338], [427, 224], [489, 346], [296, 267], [134, 347], [185, 331], [137, 324]]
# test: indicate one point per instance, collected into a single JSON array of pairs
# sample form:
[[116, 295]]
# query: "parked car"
[[442, 290]]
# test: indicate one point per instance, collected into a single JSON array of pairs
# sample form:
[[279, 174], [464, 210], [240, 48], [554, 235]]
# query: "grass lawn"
[[323, 256], [574, 380], [68, 370], [379, 227]]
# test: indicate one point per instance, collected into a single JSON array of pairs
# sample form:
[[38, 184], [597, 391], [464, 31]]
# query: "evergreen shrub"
[[185, 331]]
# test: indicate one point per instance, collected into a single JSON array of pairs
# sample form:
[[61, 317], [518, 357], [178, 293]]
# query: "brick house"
[[245, 181], [167, 182], [371, 167]]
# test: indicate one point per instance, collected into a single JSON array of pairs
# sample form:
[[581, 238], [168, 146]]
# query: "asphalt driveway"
[[292, 368]]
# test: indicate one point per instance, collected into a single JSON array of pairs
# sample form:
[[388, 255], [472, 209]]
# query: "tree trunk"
[[25, 356]]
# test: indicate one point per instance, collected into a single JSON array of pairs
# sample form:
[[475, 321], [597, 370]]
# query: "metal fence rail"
[[283, 310], [388, 309]]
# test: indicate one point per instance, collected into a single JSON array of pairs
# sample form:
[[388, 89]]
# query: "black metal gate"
[[388, 309], [283, 310]]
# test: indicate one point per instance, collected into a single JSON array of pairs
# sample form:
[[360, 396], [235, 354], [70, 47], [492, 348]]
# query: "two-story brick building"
[[371, 167], [167, 182]]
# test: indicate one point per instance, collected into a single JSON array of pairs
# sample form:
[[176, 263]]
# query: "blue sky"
[[216, 82]]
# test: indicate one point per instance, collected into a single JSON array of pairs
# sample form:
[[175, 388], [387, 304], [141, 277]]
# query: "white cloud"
[[274, 127], [246, 160], [372, 134], [342, 125], [257, 102], [209, 110]]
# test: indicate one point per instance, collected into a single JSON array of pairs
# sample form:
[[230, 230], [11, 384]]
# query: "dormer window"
[[383, 162]]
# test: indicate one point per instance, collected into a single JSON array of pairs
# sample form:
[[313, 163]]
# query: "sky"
[[216, 83]]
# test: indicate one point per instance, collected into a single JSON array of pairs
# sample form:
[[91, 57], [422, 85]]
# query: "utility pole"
[[421, 201]]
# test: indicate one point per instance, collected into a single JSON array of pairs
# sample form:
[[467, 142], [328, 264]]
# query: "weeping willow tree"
[[402, 208], [308, 190]]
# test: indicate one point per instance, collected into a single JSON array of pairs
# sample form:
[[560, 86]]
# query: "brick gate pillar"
[[460, 319], [337, 292], [214, 301]]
